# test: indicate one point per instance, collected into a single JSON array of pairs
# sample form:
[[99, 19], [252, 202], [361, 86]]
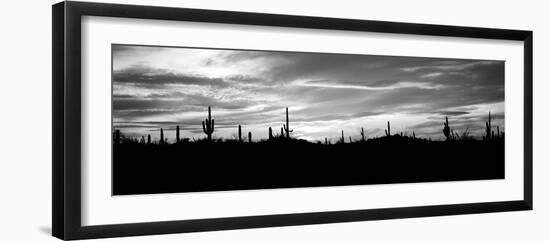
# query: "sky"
[[161, 87]]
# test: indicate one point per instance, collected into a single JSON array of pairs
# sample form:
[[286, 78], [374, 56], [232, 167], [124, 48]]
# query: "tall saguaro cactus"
[[362, 134], [177, 134], [161, 136], [208, 126], [117, 137], [148, 139], [488, 128], [249, 137], [447, 129], [342, 140], [287, 126], [388, 131], [270, 133], [240, 138]]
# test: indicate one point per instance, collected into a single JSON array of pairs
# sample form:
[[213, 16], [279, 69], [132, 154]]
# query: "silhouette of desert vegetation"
[[145, 166]]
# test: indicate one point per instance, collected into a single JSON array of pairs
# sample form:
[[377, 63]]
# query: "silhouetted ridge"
[[143, 165]]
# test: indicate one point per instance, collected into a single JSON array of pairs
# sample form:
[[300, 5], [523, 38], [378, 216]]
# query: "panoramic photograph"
[[201, 119]]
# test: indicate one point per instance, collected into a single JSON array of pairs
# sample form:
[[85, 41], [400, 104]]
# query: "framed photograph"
[[172, 120]]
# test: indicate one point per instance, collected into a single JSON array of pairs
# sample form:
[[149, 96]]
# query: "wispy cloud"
[[398, 85]]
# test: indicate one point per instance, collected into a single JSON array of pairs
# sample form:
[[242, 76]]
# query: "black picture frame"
[[66, 127]]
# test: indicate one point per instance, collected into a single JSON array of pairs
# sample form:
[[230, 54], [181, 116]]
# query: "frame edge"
[[58, 162], [528, 120], [66, 223]]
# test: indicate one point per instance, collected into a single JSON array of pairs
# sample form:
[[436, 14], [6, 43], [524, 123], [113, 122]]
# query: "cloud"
[[335, 117], [454, 113], [456, 65], [142, 75], [156, 86], [170, 104], [365, 86], [432, 75]]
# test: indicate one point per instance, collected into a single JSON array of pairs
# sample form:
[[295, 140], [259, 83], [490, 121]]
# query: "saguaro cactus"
[[326, 141], [362, 134], [342, 140], [282, 132], [447, 129], [117, 137], [161, 136], [249, 137], [240, 138], [270, 133], [488, 128], [350, 139], [177, 134], [287, 126], [414, 135], [388, 131], [208, 126], [149, 139]]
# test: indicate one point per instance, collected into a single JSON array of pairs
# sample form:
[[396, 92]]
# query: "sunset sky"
[[156, 87]]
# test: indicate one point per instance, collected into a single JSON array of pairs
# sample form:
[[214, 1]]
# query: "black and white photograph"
[[191, 119], [278, 120]]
